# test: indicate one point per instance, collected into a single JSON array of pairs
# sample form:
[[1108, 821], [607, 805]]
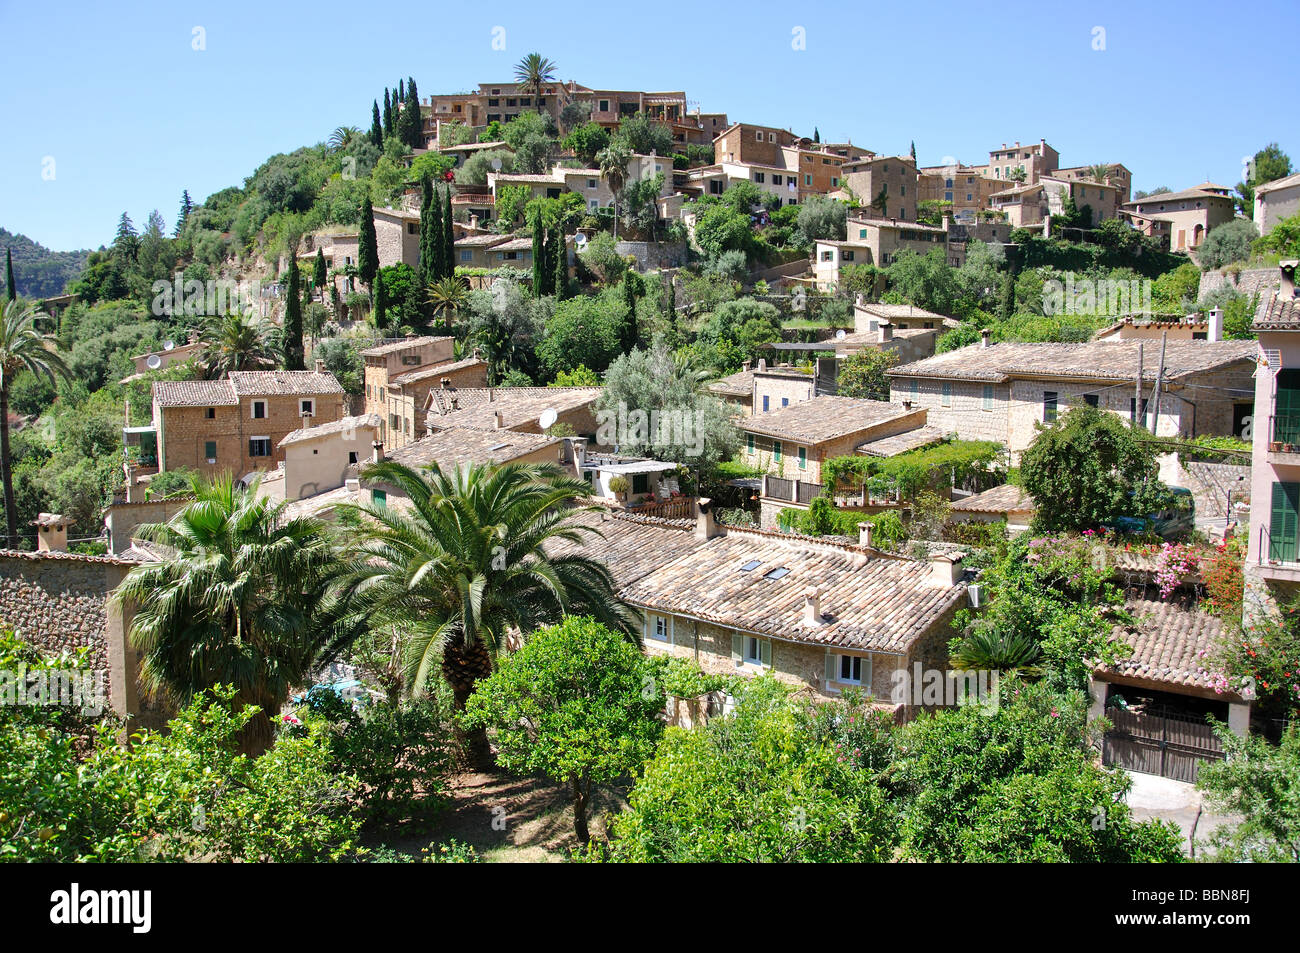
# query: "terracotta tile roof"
[[37, 556], [739, 384], [392, 347], [464, 445], [1278, 314], [474, 241], [823, 418], [903, 442], [1001, 499], [284, 383], [1284, 183], [895, 311], [436, 370], [1201, 191], [1167, 642], [868, 602], [1100, 360], [518, 406], [195, 394], [631, 548], [371, 421]]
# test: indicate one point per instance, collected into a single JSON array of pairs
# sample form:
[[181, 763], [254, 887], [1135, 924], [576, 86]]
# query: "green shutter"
[[765, 652], [831, 674], [1286, 408], [737, 648], [1285, 523]]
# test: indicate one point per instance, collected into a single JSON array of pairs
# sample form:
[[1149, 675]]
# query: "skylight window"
[[777, 573], [750, 566]]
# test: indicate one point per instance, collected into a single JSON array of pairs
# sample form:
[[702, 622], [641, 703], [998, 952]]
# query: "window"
[[591, 183], [759, 177], [828, 256], [659, 628], [210, 450], [259, 446], [835, 182], [1049, 406], [902, 190], [946, 399], [511, 102], [851, 668], [604, 106], [750, 566], [765, 400], [988, 396], [969, 197], [807, 180], [412, 228], [379, 498], [494, 102], [780, 572], [1090, 400], [210, 413], [776, 448], [259, 410], [776, 178], [947, 184], [381, 393], [525, 100], [758, 136], [352, 458], [466, 255], [755, 651], [749, 443], [803, 458], [771, 137], [640, 483], [306, 408]]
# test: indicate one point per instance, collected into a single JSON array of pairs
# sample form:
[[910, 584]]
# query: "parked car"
[[1176, 521]]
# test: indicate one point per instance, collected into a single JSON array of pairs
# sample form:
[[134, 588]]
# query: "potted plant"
[[619, 486]]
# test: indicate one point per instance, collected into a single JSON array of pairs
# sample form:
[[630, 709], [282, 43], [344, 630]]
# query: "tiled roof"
[[892, 311], [284, 383], [1007, 498], [515, 244], [1284, 183], [393, 347], [518, 406], [1201, 191], [436, 370], [903, 442], [630, 548], [474, 241], [1100, 360], [739, 384], [1167, 643], [823, 418], [195, 394], [867, 602], [371, 421], [464, 445], [894, 223], [1278, 314]]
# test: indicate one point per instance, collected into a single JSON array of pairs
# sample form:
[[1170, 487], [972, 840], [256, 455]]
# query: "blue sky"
[[131, 114]]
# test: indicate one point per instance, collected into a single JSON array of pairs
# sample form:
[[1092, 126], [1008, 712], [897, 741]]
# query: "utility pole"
[[1137, 393], [1155, 389]]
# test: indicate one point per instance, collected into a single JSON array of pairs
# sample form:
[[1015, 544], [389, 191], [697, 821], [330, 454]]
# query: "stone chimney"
[[907, 405], [1214, 317], [497, 421], [947, 222], [320, 366], [444, 383], [377, 452], [812, 607], [864, 534], [762, 363], [51, 533], [746, 365], [984, 337], [1287, 287], [706, 524], [945, 569], [886, 331]]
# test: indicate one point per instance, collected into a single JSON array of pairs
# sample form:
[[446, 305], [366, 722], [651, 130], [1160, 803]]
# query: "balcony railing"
[[1284, 433], [1281, 550]]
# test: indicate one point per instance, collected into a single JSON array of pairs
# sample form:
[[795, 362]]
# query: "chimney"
[[478, 354], [352, 484], [51, 533], [812, 607], [945, 569], [445, 382], [886, 331], [377, 452], [746, 365], [497, 420], [491, 395], [762, 363], [947, 222], [1215, 318], [320, 366], [706, 525], [984, 337], [1286, 289], [907, 405], [864, 534]]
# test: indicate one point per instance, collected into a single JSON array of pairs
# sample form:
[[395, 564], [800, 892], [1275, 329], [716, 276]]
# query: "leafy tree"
[[367, 245], [1284, 238], [645, 136], [1268, 164], [586, 141], [22, 348], [720, 228], [531, 136], [582, 330], [468, 561], [293, 348], [1227, 243], [1259, 782], [572, 704], [926, 281], [602, 259], [862, 375], [821, 218], [242, 600], [506, 323], [235, 342]]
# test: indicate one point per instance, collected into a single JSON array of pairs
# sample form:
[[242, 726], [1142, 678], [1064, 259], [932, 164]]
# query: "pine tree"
[[539, 254], [367, 245], [126, 242], [388, 115], [11, 289], [817, 136], [448, 234], [376, 127], [187, 206], [293, 353], [318, 276]]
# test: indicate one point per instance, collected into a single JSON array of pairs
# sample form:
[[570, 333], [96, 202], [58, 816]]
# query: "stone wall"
[[123, 519], [1249, 281], [652, 256]]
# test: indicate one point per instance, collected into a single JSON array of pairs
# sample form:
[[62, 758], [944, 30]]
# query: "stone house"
[[750, 144], [1035, 160], [1001, 392], [322, 458], [1103, 199], [795, 439], [398, 402], [236, 425], [1021, 205], [1006, 502], [397, 236], [887, 187], [1191, 213], [909, 344], [408, 394], [521, 409], [869, 315], [474, 251], [1117, 175], [1275, 201], [966, 187]]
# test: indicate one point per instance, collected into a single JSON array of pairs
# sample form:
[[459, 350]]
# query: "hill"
[[39, 272]]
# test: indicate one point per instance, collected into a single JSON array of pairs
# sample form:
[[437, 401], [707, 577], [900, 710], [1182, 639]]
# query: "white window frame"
[[748, 643], [270, 448], [654, 623], [835, 669], [306, 407], [253, 410]]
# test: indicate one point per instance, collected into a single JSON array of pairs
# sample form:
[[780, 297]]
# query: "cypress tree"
[[187, 206], [913, 150], [388, 115], [817, 136], [401, 93], [11, 288], [293, 354], [410, 89], [561, 280], [630, 291], [412, 125], [1007, 300], [448, 234], [380, 306], [367, 245], [539, 254], [430, 234], [318, 275], [376, 127]]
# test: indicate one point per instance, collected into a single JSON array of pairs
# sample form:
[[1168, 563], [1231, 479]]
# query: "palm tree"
[[1099, 173], [471, 559], [343, 136], [447, 296], [531, 72], [236, 342], [244, 600], [986, 648], [22, 347], [613, 160]]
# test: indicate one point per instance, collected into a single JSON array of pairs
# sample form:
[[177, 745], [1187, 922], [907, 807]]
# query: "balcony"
[[1279, 559], [1284, 440]]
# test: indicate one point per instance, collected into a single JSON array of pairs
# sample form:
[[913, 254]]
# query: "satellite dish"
[[168, 345], [153, 362], [840, 334], [496, 165], [580, 241], [548, 418]]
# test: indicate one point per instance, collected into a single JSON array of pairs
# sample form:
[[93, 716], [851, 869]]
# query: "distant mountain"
[[39, 272]]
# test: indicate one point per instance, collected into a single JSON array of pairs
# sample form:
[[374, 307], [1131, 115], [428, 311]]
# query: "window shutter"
[[831, 659], [1285, 522], [737, 647], [252, 451], [866, 672], [765, 652]]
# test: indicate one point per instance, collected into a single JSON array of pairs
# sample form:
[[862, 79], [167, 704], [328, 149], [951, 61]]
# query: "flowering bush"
[[1175, 564], [1224, 582], [1264, 661]]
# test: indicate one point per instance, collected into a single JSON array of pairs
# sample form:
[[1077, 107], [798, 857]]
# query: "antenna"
[[548, 418]]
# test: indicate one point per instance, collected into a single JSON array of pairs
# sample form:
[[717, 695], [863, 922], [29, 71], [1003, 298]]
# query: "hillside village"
[[503, 404]]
